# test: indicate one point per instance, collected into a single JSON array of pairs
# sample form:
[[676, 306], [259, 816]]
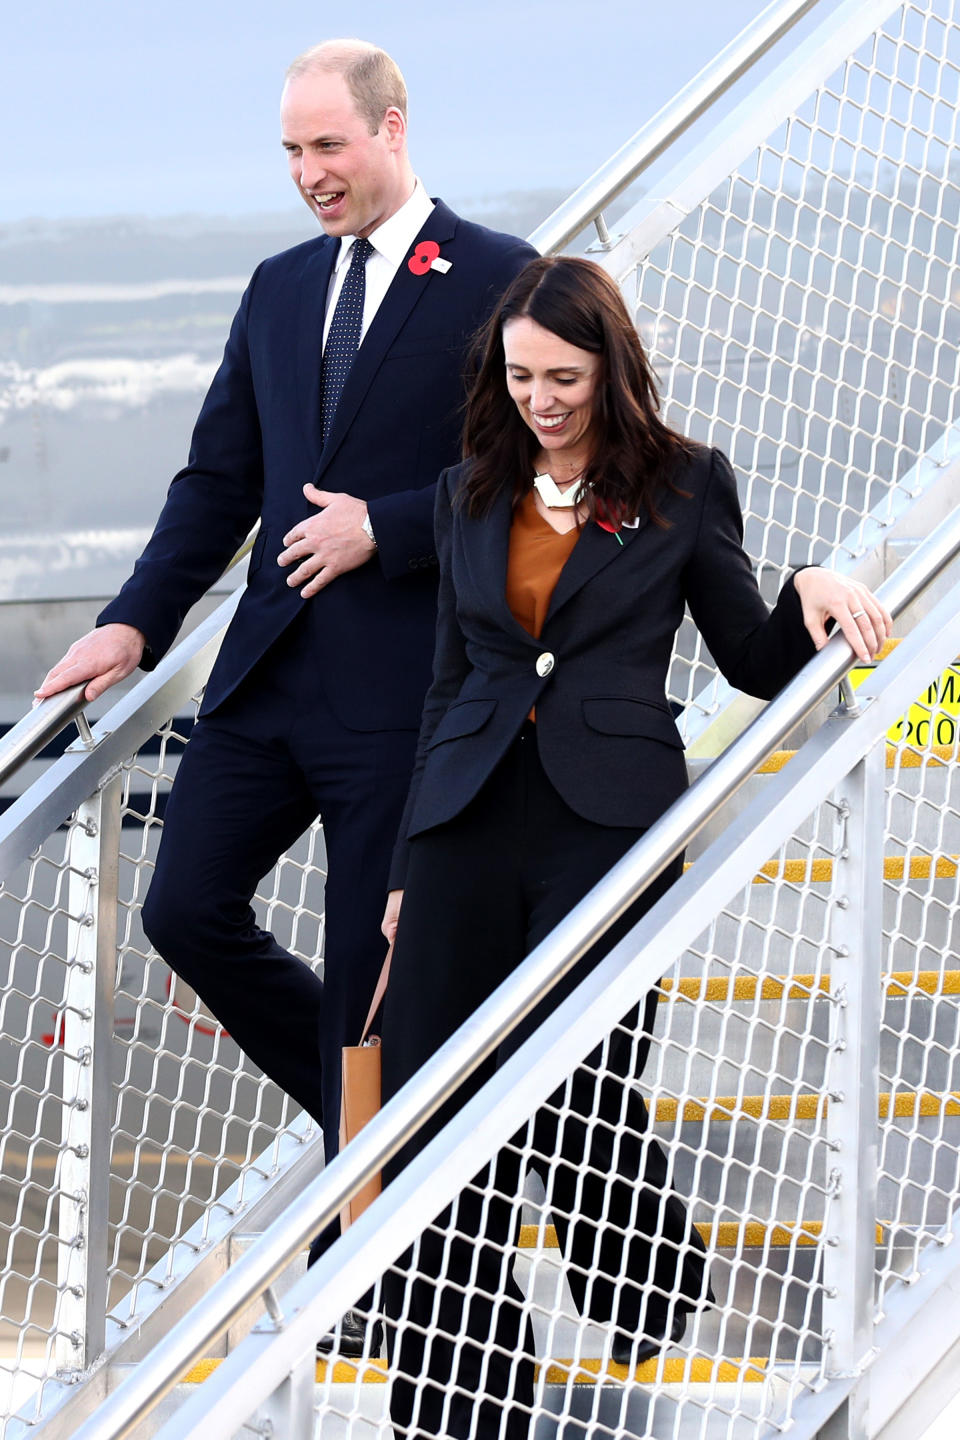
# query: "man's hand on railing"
[[825, 596], [101, 658]]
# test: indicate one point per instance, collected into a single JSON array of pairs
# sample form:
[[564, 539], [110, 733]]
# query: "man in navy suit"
[[314, 702]]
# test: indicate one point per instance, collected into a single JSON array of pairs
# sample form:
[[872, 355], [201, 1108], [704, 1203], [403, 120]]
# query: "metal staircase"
[[789, 245]]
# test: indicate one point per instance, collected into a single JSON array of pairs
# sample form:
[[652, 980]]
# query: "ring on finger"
[[857, 613]]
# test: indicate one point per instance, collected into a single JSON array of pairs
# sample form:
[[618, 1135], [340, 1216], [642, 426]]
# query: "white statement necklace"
[[556, 499]]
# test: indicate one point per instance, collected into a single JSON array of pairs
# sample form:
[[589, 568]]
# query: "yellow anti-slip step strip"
[[682, 1370], [901, 1104], [727, 1235], [820, 872], [719, 988], [895, 867], [902, 757]]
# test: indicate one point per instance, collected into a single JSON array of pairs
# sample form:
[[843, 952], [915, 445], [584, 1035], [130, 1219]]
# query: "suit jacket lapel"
[[486, 549], [595, 549], [406, 290], [314, 284], [486, 545]]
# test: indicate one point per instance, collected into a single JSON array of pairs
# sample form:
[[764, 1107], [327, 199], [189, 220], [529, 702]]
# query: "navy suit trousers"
[[255, 774]]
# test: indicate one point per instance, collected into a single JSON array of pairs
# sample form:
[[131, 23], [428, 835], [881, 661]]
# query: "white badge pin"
[[438, 263], [631, 524]]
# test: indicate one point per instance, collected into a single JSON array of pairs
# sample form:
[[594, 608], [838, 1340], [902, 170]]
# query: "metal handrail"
[[38, 727], [320, 1202], [44, 722], [659, 133]]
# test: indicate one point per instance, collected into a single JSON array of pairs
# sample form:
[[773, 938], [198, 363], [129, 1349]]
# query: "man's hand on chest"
[[326, 544]]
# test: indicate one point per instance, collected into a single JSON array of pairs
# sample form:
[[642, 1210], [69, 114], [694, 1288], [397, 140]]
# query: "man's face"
[[351, 180]]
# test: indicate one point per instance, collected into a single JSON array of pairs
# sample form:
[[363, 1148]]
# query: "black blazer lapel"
[[314, 284], [486, 547], [406, 290], [595, 549]]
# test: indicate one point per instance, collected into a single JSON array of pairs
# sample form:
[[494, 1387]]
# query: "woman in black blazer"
[[547, 747]]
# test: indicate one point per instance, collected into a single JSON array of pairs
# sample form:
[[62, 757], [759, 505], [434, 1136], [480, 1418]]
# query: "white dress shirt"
[[391, 241]]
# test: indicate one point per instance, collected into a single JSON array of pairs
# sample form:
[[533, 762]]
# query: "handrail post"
[[291, 1410], [853, 1085], [87, 1034]]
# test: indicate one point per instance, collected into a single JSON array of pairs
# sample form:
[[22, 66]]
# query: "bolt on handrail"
[[652, 139], [38, 727], [322, 1200], [44, 722]]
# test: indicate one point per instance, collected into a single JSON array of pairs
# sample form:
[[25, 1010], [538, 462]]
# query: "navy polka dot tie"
[[343, 338]]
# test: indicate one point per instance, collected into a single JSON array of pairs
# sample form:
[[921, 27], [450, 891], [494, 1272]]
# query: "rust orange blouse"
[[535, 558]]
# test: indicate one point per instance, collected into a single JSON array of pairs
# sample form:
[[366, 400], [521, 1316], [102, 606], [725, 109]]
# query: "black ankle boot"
[[355, 1334], [632, 1350]]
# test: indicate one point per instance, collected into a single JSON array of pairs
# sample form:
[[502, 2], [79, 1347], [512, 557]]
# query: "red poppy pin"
[[604, 518], [426, 257]]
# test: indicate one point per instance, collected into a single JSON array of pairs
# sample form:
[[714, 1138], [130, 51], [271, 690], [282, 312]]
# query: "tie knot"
[[361, 249]]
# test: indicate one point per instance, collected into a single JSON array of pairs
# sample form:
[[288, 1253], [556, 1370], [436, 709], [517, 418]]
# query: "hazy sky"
[[117, 106]]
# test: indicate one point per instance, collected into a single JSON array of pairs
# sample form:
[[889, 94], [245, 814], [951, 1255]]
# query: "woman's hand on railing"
[[98, 659], [824, 596]]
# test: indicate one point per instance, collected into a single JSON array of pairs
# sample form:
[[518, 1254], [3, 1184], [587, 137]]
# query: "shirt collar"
[[394, 237]]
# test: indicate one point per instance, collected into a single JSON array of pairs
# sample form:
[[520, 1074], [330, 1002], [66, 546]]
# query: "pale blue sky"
[[116, 106]]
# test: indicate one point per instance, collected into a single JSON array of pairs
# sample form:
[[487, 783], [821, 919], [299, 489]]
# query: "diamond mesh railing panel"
[[805, 317], [737, 1086], [191, 1117], [920, 1039], [742, 1086], [34, 914]]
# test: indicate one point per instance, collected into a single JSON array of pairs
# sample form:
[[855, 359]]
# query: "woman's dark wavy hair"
[[636, 454]]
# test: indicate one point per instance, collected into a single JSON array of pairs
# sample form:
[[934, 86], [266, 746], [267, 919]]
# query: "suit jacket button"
[[545, 663]]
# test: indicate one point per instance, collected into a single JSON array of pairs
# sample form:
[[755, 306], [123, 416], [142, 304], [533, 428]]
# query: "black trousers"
[[482, 891], [252, 779]]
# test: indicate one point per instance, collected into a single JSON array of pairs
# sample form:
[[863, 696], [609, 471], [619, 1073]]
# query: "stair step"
[[727, 1235], [718, 988], [671, 1370], [804, 871], [899, 1104], [899, 756]]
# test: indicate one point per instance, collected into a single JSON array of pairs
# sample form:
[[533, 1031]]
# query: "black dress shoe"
[[355, 1336], [632, 1350]]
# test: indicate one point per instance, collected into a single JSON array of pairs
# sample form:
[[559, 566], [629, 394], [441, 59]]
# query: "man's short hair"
[[373, 77]]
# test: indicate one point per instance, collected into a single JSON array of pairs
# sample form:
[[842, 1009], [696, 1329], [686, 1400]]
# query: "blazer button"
[[545, 663]]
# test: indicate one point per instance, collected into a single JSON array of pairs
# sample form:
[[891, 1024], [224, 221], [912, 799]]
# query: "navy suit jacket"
[[257, 443], [597, 675]]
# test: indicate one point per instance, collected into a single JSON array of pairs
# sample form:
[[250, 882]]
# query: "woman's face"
[[553, 384]]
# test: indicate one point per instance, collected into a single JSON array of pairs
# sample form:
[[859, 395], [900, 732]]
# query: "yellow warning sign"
[[933, 719]]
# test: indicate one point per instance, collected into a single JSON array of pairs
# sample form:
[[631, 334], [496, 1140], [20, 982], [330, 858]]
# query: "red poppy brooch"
[[426, 257]]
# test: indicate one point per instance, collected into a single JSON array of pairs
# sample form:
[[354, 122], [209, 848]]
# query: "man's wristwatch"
[[367, 529]]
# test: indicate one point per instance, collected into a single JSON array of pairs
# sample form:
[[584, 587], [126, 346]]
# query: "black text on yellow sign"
[[933, 719]]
